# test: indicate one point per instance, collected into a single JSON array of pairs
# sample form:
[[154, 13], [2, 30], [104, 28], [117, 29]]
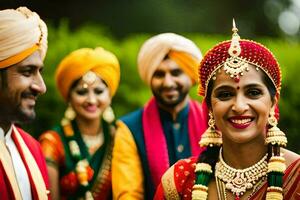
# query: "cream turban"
[[21, 33], [182, 50], [79, 62]]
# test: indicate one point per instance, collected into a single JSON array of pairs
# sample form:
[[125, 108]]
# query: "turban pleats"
[[21, 33], [79, 62], [182, 50]]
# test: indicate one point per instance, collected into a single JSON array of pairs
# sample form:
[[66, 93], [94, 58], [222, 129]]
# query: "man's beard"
[[170, 103], [17, 114], [23, 116], [12, 111]]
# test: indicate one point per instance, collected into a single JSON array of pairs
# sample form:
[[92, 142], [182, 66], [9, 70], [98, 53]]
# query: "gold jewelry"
[[93, 142], [240, 180], [70, 114], [211, 137], [274, 134], [89, 78], [108, 115], [220, 189], [234, 65]]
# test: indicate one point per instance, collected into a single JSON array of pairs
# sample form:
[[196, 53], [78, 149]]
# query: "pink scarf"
[[155, 141]]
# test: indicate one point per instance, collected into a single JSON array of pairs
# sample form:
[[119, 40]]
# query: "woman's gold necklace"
[[93, 142], [240, 180]]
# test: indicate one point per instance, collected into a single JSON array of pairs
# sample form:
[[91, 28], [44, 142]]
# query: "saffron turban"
[[182, 50], [79, 62], [22, 32]]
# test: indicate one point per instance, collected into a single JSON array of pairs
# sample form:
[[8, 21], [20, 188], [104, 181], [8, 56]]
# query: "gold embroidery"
[[169, 186]]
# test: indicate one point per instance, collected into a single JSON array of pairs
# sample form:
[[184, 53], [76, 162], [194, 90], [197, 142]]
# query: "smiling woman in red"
[[78, 150], [245, 156]]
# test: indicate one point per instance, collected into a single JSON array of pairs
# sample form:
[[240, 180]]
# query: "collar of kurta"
[[155, 141]]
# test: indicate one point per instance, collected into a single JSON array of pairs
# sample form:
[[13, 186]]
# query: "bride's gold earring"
[[211, 137], [274, 134]]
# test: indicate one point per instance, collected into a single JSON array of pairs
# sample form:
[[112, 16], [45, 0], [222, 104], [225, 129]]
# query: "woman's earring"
[[70, 114], [274, 134], [108, 115], [211, 137]]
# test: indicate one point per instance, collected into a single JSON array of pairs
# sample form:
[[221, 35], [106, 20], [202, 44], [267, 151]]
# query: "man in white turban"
[[168, 128], [23, 45]]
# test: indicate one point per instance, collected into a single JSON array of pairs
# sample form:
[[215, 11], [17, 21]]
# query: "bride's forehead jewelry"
[[235, 66], [234, 58]]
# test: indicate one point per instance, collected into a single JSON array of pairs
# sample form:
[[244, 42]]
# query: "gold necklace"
[[221, 189], [240, 180], [93, 142]]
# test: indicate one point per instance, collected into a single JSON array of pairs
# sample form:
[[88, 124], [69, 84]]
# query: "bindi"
[[238, 87]]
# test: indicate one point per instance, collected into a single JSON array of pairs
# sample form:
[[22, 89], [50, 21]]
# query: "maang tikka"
[[89, 78], [211, 137], [234, 65]]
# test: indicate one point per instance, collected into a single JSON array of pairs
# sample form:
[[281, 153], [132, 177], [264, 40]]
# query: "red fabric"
[[159, 195], [34, 148], [291, 184], [253, 52], [184, 178], [197, 123], [158, 158], [5, 187], [292, 175]]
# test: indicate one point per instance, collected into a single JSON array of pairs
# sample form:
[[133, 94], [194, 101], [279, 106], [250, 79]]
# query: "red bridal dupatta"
[[155, 141], [291, 184]]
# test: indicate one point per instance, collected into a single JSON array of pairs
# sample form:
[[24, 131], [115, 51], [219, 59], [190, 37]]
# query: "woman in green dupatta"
[[78, 150]]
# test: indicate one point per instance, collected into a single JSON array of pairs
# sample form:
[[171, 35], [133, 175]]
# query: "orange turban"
[[180, 49], [79, 62], [22, 32]]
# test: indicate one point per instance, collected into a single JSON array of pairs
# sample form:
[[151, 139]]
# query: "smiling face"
[[241, 109], [90, 100], [169, 84], [20, 86]]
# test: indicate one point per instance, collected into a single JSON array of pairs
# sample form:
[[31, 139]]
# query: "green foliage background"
[[133, 93]]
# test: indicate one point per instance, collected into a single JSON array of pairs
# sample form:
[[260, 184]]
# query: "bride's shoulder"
[[290, 156]]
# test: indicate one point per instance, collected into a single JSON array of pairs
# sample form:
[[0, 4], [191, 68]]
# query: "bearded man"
[[23, 45], [148, 141]]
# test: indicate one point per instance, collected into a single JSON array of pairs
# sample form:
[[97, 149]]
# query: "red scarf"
[[36, 176], [155, 141]]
